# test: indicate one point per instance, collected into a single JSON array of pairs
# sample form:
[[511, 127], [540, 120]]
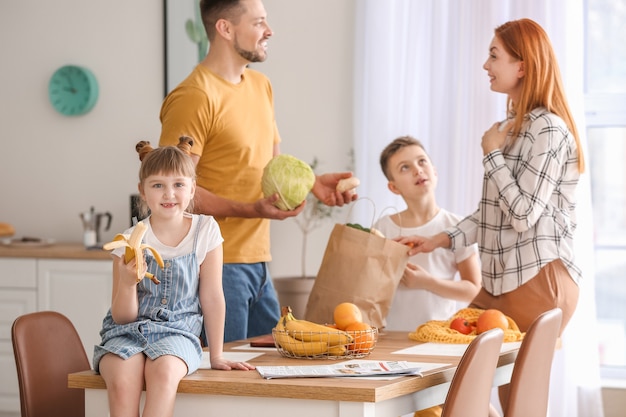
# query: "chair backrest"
[[470, 389], [530, 381], [47, 347]]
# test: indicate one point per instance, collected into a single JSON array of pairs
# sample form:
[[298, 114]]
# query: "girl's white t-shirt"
[[209, 237]]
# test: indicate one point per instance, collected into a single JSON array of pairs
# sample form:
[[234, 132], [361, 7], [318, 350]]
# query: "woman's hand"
[[495, 137], [226, 365], [420, 244]]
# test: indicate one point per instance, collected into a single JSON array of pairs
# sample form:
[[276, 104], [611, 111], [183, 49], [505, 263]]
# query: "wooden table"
[[245, 393]]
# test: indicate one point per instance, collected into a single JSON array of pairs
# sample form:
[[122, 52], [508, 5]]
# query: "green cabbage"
[[290, 177]]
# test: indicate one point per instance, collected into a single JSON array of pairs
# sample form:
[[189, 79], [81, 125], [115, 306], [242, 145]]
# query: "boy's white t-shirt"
[[413, 307]]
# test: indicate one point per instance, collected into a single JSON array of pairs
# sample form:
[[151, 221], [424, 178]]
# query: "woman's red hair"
[[526, 41]]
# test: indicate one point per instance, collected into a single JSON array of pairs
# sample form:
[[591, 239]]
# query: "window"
[[605, 107]]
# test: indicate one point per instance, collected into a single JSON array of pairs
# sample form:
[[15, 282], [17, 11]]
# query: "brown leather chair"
[[530, 381], [470, 389], [47, 348]]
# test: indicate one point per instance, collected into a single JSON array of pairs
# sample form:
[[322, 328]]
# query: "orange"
[[490, 319], [346, 314], [363, 337]]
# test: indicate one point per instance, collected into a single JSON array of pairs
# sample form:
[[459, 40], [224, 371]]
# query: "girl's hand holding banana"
[[127, 271], [134, 250]]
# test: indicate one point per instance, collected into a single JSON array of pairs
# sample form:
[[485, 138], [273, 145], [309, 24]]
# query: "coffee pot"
[[92, 223]]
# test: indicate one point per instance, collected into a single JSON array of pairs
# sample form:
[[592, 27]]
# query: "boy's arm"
[[464, 290], [471, 278]]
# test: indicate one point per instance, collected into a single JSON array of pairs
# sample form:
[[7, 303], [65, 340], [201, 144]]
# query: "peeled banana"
[[134, 248]]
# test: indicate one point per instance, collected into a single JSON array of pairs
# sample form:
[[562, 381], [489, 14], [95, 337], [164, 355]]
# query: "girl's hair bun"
[[143, 148], [185, 143]]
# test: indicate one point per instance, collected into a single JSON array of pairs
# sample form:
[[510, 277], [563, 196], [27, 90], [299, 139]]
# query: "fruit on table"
[[339, 350], [305, 338], [461, 325], [490, 319], [298, 347], [308, 331], [6, 230], [345, 314], [363, 337]]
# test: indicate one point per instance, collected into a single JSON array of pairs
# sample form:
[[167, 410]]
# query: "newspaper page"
[[353, 368]]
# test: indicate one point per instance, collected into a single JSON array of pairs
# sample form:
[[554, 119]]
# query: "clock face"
[[73, 90]]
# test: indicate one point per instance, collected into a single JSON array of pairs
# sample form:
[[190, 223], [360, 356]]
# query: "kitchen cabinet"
[[81, 290], [77, 288], [18, 295]]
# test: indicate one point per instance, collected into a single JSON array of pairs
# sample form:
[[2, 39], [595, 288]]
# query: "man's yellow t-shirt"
[[234, 131]]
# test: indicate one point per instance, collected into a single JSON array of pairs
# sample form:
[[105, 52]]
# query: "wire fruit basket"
[[318, 345]]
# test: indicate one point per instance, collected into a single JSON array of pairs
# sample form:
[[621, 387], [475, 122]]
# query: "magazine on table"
[[353, 368]]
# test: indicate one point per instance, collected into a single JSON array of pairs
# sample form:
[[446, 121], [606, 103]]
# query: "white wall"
[[56, 166], [310, 64], [51, 166]]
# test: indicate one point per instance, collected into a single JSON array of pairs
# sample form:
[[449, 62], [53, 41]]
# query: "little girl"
[[151, 334]]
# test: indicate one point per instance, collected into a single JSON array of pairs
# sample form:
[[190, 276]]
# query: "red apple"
[[461, 325]]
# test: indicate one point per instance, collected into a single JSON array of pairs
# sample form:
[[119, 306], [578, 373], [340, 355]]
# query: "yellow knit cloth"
[[440, 332]]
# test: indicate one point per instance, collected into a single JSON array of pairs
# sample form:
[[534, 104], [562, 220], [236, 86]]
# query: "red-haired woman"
[[525, 221]]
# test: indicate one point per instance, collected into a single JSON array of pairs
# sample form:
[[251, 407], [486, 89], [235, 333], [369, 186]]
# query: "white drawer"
[[18, 272]]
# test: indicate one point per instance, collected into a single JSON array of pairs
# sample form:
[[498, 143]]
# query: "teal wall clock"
[[73, 90]]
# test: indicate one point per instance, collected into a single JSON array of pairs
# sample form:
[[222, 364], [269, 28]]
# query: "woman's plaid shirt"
[[525, 218]]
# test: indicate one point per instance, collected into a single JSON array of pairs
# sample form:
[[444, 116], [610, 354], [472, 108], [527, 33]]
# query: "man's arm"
[[206, 202]]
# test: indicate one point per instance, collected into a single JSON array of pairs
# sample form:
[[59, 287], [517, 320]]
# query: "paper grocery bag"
[[358, 267]]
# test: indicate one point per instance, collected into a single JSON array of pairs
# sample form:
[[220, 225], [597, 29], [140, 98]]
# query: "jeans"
[[252, 307]]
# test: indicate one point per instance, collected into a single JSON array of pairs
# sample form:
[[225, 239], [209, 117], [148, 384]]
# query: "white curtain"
[[419, 71]]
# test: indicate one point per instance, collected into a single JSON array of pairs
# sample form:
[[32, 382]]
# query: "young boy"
[[428, 289]]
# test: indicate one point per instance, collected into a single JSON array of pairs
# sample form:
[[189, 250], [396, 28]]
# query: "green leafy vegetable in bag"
[[358, 227]]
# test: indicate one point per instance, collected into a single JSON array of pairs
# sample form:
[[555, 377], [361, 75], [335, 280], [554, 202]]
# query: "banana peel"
[[134, 249]]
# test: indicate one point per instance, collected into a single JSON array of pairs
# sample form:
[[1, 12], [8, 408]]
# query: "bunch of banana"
[[134, 248], [305, 338]]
